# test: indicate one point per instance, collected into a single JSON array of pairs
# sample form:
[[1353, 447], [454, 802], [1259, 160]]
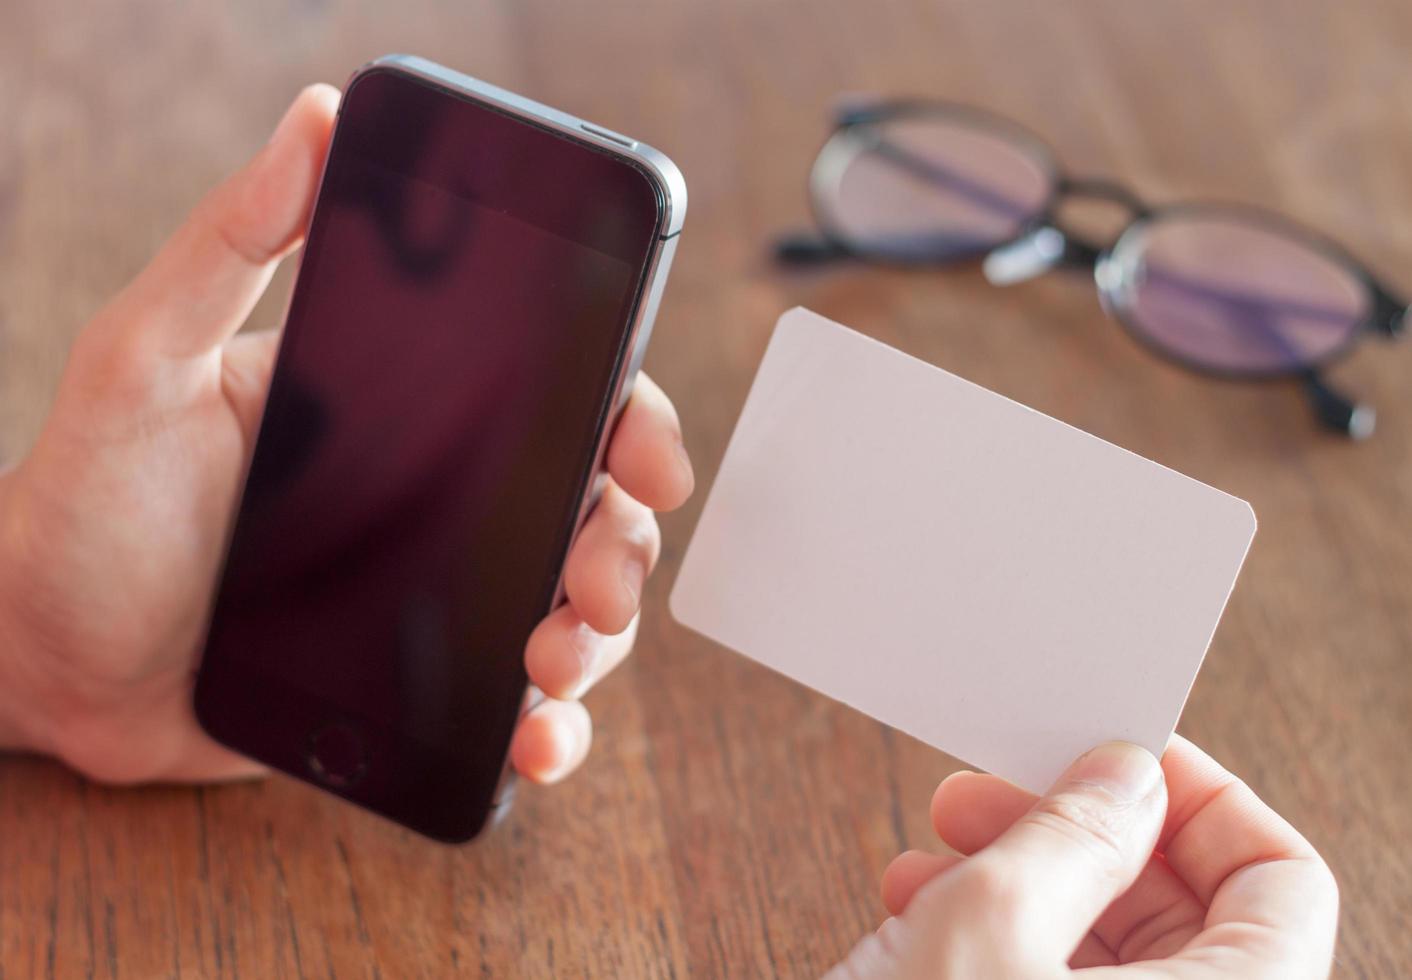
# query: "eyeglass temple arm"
[[807, 248], [1337, 411], [1390, 314]]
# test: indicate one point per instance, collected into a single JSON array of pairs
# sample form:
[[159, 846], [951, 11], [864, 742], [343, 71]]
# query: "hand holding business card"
[[999, 584]]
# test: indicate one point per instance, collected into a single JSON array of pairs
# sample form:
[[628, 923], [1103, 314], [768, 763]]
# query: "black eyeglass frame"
[[1383, 314]]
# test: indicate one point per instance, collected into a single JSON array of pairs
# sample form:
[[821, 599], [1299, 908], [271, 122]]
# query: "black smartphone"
[[478, 284]]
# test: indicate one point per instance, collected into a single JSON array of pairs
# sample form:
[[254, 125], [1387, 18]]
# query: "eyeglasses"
[[1222, 289]]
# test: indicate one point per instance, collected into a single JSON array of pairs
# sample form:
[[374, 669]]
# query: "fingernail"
[[1127, 771], [634, 574]]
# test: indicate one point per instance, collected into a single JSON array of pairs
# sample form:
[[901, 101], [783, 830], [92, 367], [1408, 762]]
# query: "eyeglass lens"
[[1223, 291], [1218, 288], [928, 187]]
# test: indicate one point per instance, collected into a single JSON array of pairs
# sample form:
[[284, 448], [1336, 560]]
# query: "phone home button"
[[336, 755]]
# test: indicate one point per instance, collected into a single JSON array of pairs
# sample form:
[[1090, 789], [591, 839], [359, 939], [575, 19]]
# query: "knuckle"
[[109, 358], [638, 530], [649, 535], [990, 886], [103, 343], [1095, 826], [892, 938]]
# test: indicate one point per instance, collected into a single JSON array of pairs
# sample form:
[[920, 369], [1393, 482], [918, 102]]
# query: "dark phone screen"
[[460, 314]]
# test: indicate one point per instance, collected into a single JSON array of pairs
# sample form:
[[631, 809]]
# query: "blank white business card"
[[1001, 585]]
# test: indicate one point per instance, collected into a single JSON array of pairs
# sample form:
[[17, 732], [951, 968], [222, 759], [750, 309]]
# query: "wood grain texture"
[[729, 823]]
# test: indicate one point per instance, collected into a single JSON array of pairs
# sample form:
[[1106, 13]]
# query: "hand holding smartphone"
[[477, 289]]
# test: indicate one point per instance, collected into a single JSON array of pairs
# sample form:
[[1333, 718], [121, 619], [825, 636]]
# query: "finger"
[[1216, 825], [971, 809], [609, 562], [1092, 952], [1245, 861], [551, 741], [246, 364], [165, 744], [205, 280], [646, 456], [895, 949], [908, 872], [1155, 917], [206, 761], [1053, 872], [565, 656]]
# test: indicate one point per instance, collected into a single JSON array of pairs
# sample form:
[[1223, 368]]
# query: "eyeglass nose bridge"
[[1098, 188], [1049, 244], [1081, 250]]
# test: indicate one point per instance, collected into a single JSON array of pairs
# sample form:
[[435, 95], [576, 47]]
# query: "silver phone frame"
[[671, 189]]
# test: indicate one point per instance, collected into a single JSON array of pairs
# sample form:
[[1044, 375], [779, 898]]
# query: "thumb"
[[203, 283], [1078, 848]]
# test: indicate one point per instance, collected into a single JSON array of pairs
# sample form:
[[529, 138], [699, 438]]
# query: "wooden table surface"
[[729, 823]]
